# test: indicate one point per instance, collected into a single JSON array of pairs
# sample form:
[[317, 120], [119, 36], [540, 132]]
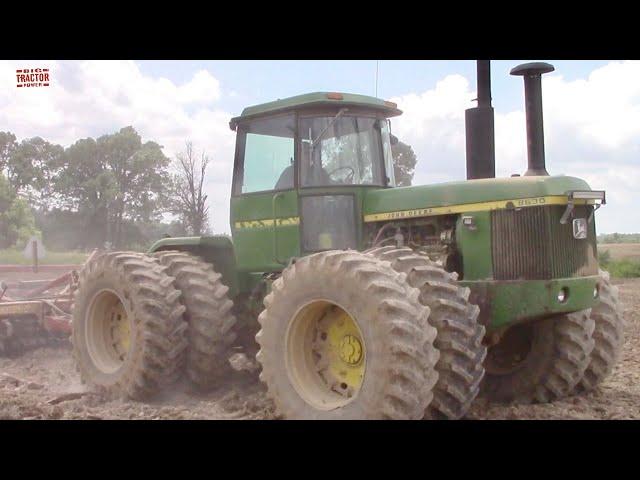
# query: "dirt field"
[[43, 384], [621, 251]]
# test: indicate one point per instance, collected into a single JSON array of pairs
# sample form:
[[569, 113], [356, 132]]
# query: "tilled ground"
[[43, 384]]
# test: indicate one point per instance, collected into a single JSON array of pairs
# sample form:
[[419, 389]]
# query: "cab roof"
[[316, 99]]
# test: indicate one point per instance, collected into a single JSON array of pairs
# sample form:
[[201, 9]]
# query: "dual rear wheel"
[[141, 321], [128, 330]]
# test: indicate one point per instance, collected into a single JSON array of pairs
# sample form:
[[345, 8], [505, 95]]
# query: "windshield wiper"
[[333, 120]]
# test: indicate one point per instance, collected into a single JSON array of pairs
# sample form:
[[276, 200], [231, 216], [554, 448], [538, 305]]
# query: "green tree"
[[17, 223], [7, 147], [140, 174], [404, 162], [112, 182], [92, 192], [32, 167], [86, 186]]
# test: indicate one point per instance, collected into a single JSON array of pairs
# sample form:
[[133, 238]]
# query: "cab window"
[[341, 150], [265, 155]]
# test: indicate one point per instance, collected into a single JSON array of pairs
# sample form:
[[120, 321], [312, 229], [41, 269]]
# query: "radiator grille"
[[532, 244]]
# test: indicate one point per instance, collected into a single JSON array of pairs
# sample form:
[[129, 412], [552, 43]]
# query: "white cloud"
[[433, 123], [202, 88], [592, 131], [92, 98], [604, 108]]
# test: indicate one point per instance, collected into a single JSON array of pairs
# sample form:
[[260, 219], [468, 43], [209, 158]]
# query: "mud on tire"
[[608, 336], [136, 287], [399, 357], [552, 359], [459, 337], [208, 315]]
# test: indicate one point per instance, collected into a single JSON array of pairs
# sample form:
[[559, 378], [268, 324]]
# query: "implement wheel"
[[344, 336], [539, 361], [128, 331]]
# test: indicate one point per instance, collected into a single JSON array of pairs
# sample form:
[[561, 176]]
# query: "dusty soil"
[[43, 384]]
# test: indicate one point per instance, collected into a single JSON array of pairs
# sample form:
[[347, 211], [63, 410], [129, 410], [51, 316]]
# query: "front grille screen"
[[532, 244]]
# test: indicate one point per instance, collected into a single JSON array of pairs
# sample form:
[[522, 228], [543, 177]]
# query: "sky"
[[591, 113]]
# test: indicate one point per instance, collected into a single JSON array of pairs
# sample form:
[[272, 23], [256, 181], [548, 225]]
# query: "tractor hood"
[[467, 195]]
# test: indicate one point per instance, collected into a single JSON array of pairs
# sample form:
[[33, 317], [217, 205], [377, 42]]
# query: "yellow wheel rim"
[[108, 331], [325, 355]]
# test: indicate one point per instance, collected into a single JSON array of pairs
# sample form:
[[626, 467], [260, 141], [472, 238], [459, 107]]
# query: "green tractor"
[[360, 299]]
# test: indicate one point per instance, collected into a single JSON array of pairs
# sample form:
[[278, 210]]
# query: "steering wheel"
[[349, 178]]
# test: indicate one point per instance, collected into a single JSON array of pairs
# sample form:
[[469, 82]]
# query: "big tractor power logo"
[[32, 77]]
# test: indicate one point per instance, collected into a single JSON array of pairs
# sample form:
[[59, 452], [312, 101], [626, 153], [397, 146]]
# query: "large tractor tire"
[[608, 335], [344, 336], [128, 331], [459, 337], [539, 361], [208, 315]]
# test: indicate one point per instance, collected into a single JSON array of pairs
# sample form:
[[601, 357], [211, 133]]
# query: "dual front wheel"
[[558, 356]]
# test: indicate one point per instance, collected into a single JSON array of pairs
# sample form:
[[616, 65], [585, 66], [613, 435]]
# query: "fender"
[[217, 250]]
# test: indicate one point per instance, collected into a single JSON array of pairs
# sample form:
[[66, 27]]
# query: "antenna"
[[376, 94]]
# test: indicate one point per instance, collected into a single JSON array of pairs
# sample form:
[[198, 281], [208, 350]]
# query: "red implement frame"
[[55, 316]]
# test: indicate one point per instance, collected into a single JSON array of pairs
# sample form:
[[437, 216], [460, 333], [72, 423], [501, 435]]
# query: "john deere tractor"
[[358, 298]]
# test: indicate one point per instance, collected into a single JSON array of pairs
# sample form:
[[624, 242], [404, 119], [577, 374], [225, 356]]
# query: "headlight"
[[587, 195]]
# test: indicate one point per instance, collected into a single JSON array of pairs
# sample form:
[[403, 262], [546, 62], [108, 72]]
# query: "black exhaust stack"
[[481, 155], [532, 73]]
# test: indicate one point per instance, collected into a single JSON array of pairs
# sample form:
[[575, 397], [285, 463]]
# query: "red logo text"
[[32, 77]]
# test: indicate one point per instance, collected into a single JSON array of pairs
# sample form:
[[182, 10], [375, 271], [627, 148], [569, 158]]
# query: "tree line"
[[619, 238], [114, 190]]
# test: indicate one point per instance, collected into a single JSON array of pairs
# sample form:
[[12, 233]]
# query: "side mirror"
[[393, 139]]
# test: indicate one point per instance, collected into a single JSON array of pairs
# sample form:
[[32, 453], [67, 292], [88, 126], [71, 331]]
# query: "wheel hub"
[[350, 350], [119, 330], [108, 332], [340, 351], [326, 355]]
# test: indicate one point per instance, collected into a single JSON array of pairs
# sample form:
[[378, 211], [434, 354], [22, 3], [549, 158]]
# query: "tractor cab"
[[312, 157]]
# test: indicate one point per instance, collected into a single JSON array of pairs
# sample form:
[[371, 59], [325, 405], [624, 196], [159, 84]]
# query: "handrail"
[[275, 227]]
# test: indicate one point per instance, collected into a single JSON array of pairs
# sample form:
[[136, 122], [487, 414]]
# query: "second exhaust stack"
[[532, 73]]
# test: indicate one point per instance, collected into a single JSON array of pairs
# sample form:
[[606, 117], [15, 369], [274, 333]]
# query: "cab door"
[[264, 202]]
